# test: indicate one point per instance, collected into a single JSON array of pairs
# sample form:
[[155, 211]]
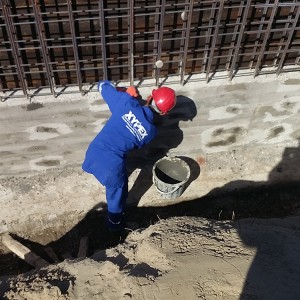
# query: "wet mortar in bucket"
[[169, 176]]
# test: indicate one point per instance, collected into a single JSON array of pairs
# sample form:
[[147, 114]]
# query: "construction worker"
[[130, 126]]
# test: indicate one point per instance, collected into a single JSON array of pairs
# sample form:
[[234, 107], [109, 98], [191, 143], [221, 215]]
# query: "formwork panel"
[[50, 43]]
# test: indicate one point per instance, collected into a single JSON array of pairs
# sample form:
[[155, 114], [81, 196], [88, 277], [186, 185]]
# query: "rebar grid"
[[46, 44]]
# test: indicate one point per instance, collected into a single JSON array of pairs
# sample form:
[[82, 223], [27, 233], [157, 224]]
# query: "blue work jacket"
[[129, 126]]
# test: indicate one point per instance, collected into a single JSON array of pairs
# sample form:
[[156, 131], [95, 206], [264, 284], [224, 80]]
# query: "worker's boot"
[[115, 222]]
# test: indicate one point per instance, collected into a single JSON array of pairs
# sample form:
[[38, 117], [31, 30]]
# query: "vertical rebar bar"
[[238, 44], [286, 26], [103, 38], [186, 41], [161, 20], [131, 41], [235, 34], [156, 35], [292, 30], [213, 46], [258, 35], [74, 41], [266, 37], [40, 29], [183, 35], [208, 36], [297, 59], [14, 48]]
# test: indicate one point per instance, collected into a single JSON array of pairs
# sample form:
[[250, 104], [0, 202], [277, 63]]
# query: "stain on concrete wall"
[[48, 131]]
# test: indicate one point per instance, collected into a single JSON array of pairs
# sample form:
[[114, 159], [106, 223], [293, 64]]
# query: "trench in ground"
[[276, 201]]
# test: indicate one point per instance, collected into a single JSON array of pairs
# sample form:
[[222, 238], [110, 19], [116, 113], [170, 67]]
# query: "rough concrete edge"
[[220, 78]]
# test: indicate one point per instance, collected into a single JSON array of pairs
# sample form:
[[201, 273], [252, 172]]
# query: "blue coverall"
[[129, 126]]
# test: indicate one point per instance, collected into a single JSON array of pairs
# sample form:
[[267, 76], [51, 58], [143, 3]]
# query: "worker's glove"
[[132, 91]]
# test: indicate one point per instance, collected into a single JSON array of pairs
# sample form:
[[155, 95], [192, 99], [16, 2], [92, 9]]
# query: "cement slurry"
[[244, 132]]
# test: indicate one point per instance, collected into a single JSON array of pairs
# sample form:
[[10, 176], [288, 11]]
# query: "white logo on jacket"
[[134, 126]]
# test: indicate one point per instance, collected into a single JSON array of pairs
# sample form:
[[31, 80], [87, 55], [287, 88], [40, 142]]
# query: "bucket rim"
[[172, 158]]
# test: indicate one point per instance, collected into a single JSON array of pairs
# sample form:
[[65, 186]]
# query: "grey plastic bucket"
[[169, 175]]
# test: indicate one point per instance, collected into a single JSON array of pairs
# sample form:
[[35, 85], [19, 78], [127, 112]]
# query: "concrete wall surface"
[[232, 134]]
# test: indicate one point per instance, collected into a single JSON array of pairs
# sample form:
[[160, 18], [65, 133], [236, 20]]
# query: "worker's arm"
[[109, 93], [132, 91], [112, 94]]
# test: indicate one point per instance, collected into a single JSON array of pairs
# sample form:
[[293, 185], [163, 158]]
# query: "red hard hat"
[[164, 99]]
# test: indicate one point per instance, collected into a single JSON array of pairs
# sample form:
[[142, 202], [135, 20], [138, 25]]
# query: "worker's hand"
[[132, 91]]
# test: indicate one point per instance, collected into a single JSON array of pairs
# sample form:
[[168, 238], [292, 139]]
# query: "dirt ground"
[[242, 245]]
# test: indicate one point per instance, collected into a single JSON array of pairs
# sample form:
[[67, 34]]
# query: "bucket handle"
[[167, 193]]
